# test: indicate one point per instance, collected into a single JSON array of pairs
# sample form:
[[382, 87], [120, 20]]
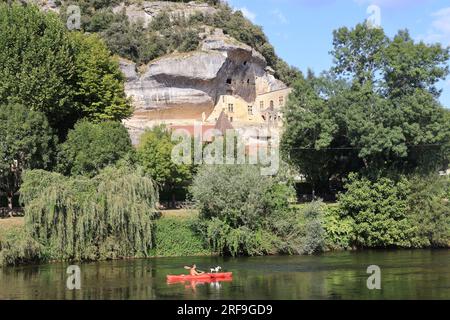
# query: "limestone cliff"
[[186, 86]]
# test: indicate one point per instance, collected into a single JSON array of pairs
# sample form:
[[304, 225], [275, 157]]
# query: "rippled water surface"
[[421, 274]]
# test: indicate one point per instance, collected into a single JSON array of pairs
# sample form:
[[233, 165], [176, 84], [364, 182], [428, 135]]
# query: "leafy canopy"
[[91, 147], [377, 111], [27, 142]]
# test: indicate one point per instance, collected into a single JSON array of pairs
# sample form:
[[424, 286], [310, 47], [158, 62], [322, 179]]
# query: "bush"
[[339, 231], [429, 211], [108, 216], [176, 237], [379, 210], [16, 247], [242, 212]]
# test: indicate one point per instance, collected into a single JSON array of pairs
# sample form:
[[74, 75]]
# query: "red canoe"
[[206, 276]]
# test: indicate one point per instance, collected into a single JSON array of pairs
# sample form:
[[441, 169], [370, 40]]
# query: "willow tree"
[[108, 216]]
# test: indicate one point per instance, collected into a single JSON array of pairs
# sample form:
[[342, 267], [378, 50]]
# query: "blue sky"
[[301, 30]]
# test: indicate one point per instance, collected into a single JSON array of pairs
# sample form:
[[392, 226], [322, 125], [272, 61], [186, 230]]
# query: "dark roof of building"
[[223, 124]]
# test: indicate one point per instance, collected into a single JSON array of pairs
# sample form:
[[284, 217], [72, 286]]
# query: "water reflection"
[[422, 274]]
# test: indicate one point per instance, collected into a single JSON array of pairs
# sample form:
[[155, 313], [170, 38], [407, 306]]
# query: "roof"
[[223, 124]]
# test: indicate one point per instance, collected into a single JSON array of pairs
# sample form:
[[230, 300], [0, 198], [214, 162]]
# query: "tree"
[[91, 147], [37, 63], [67, 76], [154, 154], [100, 93], [76, 218], [387, 119], [27, 142]]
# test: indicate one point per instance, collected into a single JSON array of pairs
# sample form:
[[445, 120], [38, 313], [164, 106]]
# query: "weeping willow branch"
[[109, 216]]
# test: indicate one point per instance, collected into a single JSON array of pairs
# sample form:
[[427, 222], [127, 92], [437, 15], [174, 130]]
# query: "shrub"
[[339, 231], [176, 237], [429, 211], [242, 212], [16, 247], [379, 210]]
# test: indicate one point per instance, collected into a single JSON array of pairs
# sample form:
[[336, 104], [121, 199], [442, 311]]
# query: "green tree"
[[154, 154], [27, 142], [37, 63], [100, 93], [377, 124], [91, 147]]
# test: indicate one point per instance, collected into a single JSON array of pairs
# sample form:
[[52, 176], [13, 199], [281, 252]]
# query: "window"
[[261, 105], [272, 105], [231, 119], [230, 108], [281, 101], [229, 81], [250, 110], [223, 98], [248, 81]]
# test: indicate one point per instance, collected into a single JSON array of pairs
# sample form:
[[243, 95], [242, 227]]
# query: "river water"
[[419, 274]]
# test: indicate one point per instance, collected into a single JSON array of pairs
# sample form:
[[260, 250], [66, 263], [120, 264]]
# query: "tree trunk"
[[173, 200], [10, 197]]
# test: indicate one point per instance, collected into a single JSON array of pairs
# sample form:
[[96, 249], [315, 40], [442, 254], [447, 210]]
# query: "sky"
[[302, 30]]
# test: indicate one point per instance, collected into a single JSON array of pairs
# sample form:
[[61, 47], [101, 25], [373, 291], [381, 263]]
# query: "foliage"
[[242, 212], [27, 142], [429, 211], [37, 66], [108, 216], [16, 247], [65, 75], [379, 210], [176, 237], [366, 119], [91, 147], [100, 89], [339, 230], [314, 234], [154, 154]]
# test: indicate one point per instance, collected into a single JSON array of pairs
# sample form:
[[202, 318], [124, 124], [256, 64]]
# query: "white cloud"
[[248, 14], [280, 16], [440, 28]]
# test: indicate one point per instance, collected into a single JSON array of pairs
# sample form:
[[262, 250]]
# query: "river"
[[408, 274]]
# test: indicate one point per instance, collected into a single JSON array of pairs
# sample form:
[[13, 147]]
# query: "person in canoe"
[[193, 270]]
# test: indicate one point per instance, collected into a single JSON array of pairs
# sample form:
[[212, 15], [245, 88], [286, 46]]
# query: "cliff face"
[[146, 11], [187, 86]]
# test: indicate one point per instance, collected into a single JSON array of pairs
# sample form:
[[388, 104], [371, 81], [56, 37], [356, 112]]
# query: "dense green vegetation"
[[67, 76], [373, 128], [91, 147], [176, 237], [378, 115], [243, 212], [27, 142], [109, 216], [154, 154]]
